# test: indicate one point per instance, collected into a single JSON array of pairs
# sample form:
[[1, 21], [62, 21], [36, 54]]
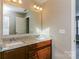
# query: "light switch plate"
[[62, 31]]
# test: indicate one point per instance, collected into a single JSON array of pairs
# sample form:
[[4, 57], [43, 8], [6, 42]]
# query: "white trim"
[[73, 28]]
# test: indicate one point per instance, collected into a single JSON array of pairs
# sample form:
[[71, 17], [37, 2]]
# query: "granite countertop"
[[20, 43]]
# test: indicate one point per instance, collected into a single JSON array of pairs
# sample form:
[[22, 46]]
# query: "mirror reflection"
[[19, 20]]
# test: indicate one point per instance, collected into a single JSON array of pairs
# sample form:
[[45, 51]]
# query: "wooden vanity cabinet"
[[18, 53], [0, 55], [42, 50], [44, 53]]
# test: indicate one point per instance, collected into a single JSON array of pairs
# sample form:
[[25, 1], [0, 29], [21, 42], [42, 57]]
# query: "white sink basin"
[[14, 44]]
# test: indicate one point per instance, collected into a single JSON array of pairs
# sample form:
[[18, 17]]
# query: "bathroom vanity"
[[40, 50], [21, 22], [0, 55]]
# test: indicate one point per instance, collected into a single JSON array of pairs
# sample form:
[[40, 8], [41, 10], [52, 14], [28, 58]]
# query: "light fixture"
[[34, 6], [20, 1], [14, 0], [38, 8], [41, 9]]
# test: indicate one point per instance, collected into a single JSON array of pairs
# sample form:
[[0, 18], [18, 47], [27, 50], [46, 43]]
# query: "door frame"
[[77, 32], [73, 29]]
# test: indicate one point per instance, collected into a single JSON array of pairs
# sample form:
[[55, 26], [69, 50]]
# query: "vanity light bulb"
[[14, 0], [41, 9], [34, 6], [20, 1], [38, 8]]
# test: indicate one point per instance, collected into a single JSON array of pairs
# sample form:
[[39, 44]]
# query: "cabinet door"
[[15, 54], [42, 50], [0, 56], [45, 53]]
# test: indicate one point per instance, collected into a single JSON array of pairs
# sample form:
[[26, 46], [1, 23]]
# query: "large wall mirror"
[[18, 20]]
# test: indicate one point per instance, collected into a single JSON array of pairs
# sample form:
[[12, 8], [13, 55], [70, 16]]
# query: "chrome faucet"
[[12, 39]]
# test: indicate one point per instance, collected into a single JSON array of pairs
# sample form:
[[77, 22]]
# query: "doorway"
[[77, 29]]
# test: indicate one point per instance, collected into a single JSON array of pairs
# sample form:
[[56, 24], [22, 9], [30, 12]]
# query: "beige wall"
[[0, 21], [1, 16], [57, 16]]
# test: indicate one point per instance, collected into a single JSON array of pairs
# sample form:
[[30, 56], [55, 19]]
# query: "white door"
[[20, 25], [73, 28]]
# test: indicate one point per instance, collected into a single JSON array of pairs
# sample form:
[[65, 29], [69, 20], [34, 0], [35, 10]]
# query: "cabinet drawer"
[[44, 53], [45, 43], [18, 53], [40, 44]]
